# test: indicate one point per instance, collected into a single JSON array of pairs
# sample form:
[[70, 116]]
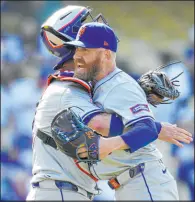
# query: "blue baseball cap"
[[95, 35]]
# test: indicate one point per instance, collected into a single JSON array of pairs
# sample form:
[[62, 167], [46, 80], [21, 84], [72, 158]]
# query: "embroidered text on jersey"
[[139, 107]]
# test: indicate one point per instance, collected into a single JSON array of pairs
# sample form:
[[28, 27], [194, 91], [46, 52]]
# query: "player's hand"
[[106, 147], [175, 135]]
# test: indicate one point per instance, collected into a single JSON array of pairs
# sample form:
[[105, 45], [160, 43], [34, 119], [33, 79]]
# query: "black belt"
[[66, 186], [46, 139], [116, 182]]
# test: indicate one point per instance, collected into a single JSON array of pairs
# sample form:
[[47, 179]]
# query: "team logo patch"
[[139, 107], [82, 31]]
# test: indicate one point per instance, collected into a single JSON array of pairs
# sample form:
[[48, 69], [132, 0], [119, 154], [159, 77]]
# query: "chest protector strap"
[[66, 78]]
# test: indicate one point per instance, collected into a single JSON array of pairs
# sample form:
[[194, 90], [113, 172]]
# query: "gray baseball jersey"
[[120, 93], [49, 163]]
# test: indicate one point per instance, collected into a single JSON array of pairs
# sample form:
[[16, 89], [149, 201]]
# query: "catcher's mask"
[[62, 27]]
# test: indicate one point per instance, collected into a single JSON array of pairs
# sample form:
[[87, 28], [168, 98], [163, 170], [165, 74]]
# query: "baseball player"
[[55, 175], [135, 174]]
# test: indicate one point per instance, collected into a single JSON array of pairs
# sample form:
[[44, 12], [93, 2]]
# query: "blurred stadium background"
[[151, 33]]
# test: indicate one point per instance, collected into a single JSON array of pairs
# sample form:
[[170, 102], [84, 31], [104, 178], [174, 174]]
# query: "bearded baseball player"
[[57, 173], [135, 173]]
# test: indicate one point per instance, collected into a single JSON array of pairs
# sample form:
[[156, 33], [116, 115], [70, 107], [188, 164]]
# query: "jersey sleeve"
[[81, 103], [129, 101]]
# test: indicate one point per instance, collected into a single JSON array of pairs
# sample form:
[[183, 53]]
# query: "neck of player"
[[106, 68]]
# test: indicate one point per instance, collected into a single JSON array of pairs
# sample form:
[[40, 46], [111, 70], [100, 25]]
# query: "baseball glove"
[[70, 134], [158, 86]]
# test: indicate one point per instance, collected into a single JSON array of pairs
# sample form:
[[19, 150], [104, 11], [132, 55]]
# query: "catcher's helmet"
[[62, 27]]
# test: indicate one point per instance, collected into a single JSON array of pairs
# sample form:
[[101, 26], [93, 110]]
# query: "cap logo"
[[105, 43], [82, 31]]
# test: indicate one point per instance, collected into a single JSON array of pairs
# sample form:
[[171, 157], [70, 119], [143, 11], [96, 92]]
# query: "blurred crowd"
[[25, 66]]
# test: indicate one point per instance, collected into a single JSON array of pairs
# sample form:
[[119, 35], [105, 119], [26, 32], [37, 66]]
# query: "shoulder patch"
[[139, 107]]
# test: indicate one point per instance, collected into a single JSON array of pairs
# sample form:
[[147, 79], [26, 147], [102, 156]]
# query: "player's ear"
[[107, 54]]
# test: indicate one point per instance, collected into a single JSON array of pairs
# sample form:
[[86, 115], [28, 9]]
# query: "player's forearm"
[[118, 143], [108, 145]]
